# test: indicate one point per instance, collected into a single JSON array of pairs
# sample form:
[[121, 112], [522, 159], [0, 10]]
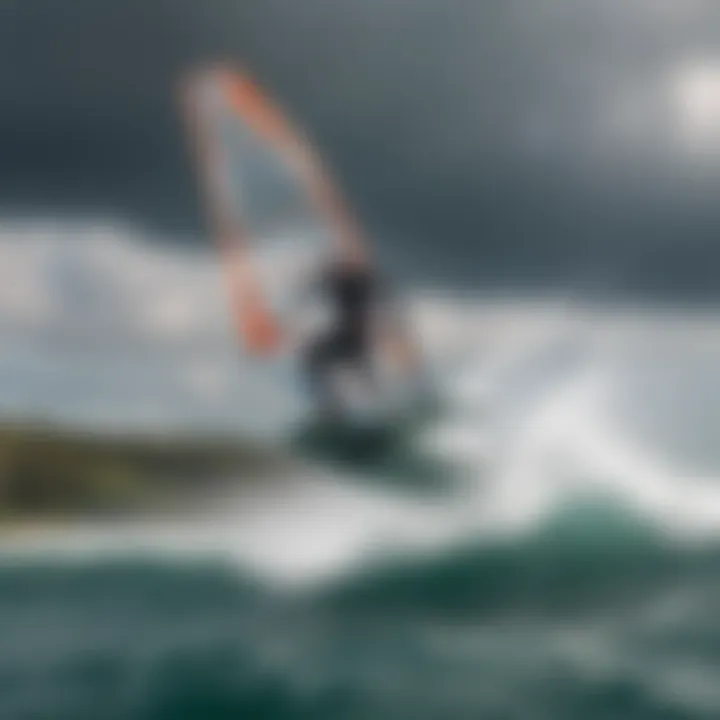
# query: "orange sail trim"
[[259, 330], [256, 324]]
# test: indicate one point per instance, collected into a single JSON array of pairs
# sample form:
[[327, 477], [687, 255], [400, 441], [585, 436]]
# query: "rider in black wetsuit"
[[354, 291]]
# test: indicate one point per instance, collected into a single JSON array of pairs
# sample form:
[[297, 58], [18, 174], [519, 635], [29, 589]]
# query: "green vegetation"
[[47, 472]]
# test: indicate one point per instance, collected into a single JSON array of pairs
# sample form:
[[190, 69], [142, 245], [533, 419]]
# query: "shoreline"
[[50, 474]]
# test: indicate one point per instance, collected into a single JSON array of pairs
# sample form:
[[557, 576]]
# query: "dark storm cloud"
[[530, 137]]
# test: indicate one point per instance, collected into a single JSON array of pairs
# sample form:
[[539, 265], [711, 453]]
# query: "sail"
[[273, 208]]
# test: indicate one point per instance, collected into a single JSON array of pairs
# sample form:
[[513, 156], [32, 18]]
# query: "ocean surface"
[[545, 547]]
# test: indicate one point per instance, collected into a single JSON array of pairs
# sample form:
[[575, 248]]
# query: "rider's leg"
[[318, 363]]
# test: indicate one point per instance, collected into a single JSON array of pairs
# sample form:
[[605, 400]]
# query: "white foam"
[[532, 390]]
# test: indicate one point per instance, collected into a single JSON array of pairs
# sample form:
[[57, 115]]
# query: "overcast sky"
[[510, 140]]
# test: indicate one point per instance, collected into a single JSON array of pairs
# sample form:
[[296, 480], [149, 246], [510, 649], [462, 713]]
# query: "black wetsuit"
[[353, 292]]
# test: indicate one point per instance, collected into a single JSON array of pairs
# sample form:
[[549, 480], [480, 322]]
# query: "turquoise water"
[[574, 623], [548, 548], [558, 571]]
